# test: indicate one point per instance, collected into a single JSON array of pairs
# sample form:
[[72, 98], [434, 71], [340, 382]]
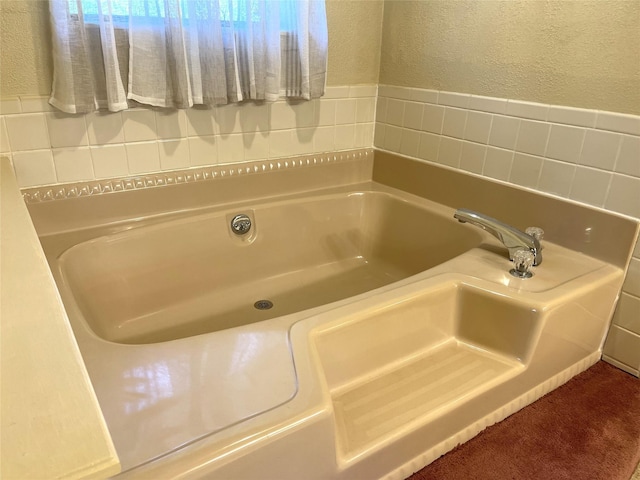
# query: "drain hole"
[[263, 304]]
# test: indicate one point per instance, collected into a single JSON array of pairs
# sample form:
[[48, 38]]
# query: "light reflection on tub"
[[192, 276]]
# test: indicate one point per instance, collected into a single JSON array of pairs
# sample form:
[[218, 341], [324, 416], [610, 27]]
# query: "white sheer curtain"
[[179, 53]]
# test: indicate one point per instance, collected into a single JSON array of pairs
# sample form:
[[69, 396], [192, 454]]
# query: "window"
[[180, 53], [121, 10]]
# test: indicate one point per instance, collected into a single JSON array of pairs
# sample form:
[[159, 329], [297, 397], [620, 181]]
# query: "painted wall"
[[580, 53], [26, 67]]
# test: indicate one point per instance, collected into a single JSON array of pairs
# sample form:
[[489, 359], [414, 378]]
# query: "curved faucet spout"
[[511, 237]]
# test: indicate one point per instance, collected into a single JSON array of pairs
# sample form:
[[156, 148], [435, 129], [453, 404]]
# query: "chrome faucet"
[[511, 237]]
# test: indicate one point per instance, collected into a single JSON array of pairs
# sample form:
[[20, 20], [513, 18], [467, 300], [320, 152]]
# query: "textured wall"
[[25, 52], [582, 53], [354, 41]]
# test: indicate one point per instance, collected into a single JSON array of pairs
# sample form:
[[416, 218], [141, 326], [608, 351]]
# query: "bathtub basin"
[[395, 333], [189, 276]]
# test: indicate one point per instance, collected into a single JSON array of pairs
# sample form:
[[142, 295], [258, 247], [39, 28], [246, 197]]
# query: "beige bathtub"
[[395, 332], [189, 276]]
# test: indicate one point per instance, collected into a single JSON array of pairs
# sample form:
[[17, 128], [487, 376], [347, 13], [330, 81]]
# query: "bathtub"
[[189, 276], [391, 332]]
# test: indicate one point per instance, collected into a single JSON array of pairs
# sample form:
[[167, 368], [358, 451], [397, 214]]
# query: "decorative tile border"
[[209, 173]]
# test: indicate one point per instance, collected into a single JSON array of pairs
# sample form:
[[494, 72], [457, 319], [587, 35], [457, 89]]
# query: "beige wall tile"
[[450, 151], [27, 132], [10, 105], [324, 139], [282, 116], [618, 122], [395, 112], [413, 115], [203, 150], [345, 112], [200, 122], [326, 111], [256, 145], [565, 143], [392, 138], [364, 135], [497, 163], [556, 177], [572, 116], [478, 127], [530, 110], [73, 164], [66, 130], [488, 104], [627, 313], [143, 157], [454, 99], [632, 280], [109, 161], [345, 137], [432, 118], [104, 128], [600, 149], [624, 195], [365, 110], [381, 109], [139, 125], [4, 138], [504, 132], [174, 154], [231, 148], [171, 124], [410, 143], [472, 157], [254, 117], [629, 156], [590, 186], [532, 137], [455, 120], [525, 170], [429, 146], [34, 168], [424, 95], [227, 119], [624, 346]]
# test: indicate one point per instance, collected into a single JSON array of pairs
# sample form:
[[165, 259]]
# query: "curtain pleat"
[[180, 53]]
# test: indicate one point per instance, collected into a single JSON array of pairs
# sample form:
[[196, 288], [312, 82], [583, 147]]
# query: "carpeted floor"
[[587, 429]]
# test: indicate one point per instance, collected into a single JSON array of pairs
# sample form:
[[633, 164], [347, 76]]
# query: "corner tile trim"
[[209, 173]]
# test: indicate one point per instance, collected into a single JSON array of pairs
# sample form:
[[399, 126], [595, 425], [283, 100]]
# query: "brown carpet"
[[587, 429]]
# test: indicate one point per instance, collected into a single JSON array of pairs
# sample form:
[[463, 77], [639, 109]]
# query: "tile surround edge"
[[588, 118]]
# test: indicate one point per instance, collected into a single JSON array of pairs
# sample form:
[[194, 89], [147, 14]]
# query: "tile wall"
[[589, 156], [48, 147]]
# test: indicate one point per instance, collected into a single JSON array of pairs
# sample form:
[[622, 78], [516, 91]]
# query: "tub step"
[[416, 392]]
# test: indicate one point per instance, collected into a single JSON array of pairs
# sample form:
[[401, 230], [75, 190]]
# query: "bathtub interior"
[[192, 275]]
